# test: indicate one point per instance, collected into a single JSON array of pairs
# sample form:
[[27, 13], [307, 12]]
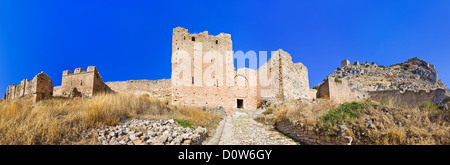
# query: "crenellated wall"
[[157, 88]]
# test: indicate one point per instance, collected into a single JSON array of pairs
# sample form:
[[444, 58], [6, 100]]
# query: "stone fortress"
[[81, 83], [409, 83], [288, 81]]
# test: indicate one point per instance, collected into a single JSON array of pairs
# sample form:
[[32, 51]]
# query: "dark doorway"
[[240, 103]]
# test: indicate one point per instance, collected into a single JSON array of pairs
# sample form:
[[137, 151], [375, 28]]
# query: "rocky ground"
[[240, 128], [147, 132]]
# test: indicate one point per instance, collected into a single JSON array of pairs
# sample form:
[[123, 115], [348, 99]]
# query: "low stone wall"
[[309, 135], [409, 98]]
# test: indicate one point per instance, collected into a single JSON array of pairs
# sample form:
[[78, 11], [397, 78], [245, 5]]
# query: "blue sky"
[[131, 39]]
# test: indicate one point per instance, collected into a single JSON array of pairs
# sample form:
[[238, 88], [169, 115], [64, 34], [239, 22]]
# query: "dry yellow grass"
[[61, 121], [394, 125]]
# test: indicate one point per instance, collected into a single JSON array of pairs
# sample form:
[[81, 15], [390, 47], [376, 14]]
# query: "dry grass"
[[393, 125], [61, 121], [305, 113]]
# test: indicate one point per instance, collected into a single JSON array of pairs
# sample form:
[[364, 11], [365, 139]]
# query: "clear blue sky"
[[130, 39]]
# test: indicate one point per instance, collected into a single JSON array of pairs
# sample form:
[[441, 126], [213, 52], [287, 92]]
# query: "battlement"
[[80, 70], [186, 35], [92, 69]]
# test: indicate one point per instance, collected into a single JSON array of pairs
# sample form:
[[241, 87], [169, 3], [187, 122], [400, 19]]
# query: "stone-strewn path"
[[241, 129]]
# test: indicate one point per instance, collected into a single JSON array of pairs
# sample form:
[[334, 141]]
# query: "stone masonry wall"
[[158, 88], [339, 91], [408, 98], [87, 82], [286, 79], [41, 87], [309, 135], [199, 94]]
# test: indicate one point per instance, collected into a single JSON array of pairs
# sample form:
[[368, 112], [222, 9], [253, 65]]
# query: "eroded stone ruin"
[[286, 79], [41, 87], [410, 83], [80, 83]]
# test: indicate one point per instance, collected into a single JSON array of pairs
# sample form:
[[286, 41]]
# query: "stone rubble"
[[148, 132]]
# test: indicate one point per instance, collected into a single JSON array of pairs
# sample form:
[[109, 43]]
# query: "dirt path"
[[240, 129]]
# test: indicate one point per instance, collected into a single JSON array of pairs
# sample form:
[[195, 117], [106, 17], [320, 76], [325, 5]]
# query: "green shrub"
[[316, 87], [184, 123], [345, 112], [337, 80]]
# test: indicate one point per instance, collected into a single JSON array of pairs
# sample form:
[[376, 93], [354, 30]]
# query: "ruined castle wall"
[[323, 90], [83, 81], [408, 98], [37, 89], [158, 88], [270, 69], [295, 80], [339, 91], [199, 93], [87, 82]]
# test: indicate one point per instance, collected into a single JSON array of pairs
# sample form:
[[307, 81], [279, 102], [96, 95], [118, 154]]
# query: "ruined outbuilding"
[[41, 87], [286, 80], [84, 83]]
